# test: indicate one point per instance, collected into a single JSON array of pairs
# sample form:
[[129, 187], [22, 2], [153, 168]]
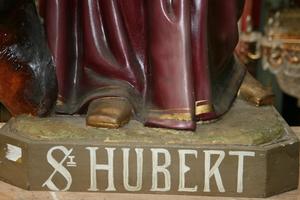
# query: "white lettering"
[[214, 171], [160, 169], [183, 169], [58, 167], [94, 167], [240, 174], [139, 164]]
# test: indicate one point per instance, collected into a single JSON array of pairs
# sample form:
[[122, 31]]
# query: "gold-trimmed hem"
[[202, 109], [173, 116]]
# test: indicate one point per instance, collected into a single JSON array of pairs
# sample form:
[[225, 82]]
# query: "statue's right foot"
[[109, 112]]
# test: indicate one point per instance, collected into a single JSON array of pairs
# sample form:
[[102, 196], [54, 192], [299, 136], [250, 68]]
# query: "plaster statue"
[[167, 63], [27, 74]]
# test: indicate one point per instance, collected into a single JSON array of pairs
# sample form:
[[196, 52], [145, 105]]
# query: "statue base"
[[250, 152]]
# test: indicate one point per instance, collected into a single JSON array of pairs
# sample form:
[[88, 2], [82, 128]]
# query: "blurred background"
[[270, 48]]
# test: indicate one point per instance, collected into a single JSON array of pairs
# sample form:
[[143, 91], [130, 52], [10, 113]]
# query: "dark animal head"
[[27, 74]]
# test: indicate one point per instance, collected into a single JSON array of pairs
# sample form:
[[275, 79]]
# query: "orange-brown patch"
[[12, 87]]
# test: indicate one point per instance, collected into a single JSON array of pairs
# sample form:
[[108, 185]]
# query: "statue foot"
[[109, 112], [254, 92]]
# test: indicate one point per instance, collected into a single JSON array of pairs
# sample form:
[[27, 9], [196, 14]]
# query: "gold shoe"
[[109, 112], [254, 92]]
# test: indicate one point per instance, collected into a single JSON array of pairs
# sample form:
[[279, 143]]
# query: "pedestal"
[[250, 152]]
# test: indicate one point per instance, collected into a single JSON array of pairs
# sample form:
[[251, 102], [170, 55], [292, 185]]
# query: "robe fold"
[[172, 59]]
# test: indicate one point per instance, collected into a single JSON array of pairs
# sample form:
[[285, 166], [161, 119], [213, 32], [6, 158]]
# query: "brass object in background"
[[279, 49]]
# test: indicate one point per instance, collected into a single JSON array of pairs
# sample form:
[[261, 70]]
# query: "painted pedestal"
[[250, 152]]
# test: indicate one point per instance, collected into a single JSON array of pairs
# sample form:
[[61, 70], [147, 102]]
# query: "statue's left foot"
[[109, 112], [254, 92]]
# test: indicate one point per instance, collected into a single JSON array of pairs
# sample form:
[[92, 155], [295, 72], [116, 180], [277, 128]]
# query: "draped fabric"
[[173, 59]]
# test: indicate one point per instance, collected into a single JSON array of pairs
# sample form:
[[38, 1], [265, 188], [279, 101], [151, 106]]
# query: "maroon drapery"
[[172, 59]]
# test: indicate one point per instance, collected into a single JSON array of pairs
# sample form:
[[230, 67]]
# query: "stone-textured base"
[[250, 152]]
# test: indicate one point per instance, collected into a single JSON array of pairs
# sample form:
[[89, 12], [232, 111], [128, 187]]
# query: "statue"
[[116, 67], [27, 74], [169, 64], [165, 61]]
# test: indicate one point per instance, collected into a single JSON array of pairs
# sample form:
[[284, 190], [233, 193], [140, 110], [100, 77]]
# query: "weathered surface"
[[250, 152], [244, 124]]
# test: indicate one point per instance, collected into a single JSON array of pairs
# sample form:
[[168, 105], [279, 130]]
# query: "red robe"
[[172, 59]]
